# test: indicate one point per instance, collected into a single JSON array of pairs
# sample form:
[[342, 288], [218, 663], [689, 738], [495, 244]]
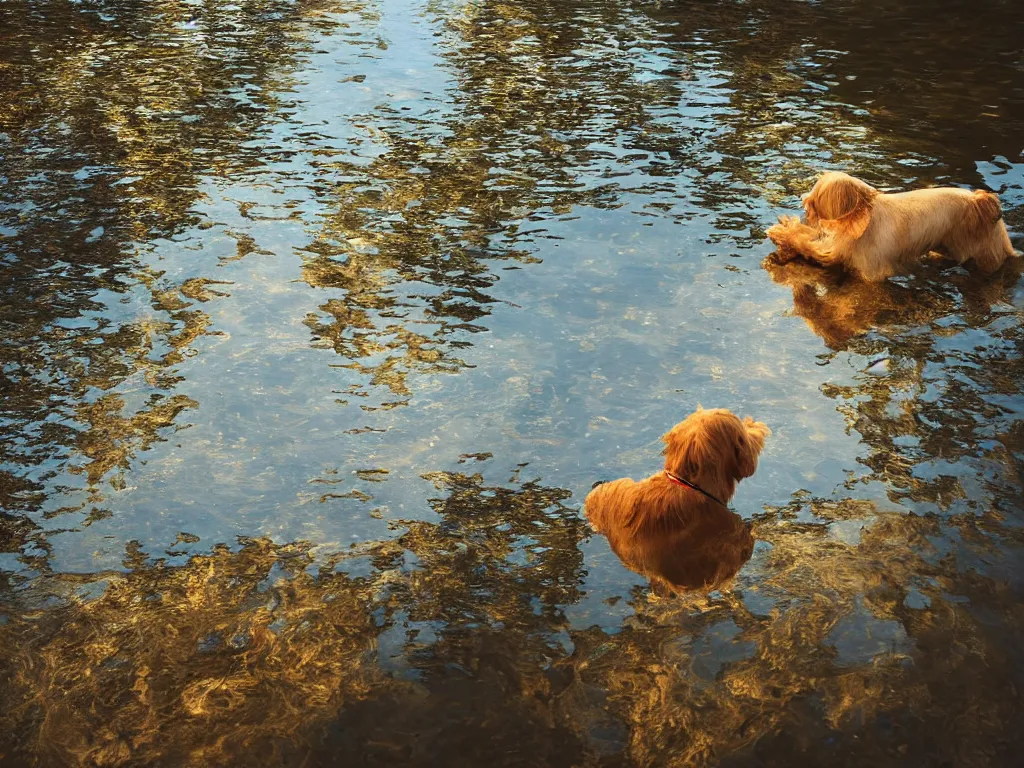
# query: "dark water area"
[[319, 320]]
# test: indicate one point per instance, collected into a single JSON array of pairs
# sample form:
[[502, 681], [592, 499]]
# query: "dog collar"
[[680, 481]]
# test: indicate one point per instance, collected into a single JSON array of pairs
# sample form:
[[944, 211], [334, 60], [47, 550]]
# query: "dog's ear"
[[748, 441], [684, 451], [849, 227], [809, 208], [842, 204], [744, 454]]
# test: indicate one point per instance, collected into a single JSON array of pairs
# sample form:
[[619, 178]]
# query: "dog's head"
[[714, 442], [840, 204]]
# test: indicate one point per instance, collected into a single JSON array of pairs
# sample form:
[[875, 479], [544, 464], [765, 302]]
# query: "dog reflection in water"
[[675, 527], [839, 307]]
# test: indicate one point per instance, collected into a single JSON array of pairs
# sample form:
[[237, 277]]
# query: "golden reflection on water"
[[841, 309], [255, 653], [298, 282]]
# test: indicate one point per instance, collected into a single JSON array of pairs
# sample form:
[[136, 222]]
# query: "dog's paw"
[[778, 233]]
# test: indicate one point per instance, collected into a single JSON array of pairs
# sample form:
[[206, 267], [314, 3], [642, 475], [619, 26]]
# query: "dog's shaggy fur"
[[674, 535], [851, 224]]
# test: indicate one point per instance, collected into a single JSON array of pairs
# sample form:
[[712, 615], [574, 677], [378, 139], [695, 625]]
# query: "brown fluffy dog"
[[853, 225], [674, 527]]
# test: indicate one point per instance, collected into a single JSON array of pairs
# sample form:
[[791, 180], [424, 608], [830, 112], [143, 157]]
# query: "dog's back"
[[958, 223]]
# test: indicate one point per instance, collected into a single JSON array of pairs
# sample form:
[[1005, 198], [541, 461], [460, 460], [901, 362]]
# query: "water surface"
[[320, 319]]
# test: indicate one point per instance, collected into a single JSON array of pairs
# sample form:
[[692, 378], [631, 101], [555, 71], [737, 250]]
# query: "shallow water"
[[320, 319]]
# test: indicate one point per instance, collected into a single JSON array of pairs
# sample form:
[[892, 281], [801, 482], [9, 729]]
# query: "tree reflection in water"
[[450, 645]]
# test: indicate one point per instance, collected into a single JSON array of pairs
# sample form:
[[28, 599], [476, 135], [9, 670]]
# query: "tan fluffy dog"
[[853, 225], [674, 527]]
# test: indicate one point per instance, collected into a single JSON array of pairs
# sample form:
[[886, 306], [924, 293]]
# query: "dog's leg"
[[779, 234], [794, 238], [995, 249], [661, 589], [989, 259]]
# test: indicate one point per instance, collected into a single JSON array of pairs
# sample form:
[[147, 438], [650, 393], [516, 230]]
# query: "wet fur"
[[672, 534], [850, 224]]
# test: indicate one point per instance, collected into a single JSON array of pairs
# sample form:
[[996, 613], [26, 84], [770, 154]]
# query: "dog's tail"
[[986, 207], [985, 226]]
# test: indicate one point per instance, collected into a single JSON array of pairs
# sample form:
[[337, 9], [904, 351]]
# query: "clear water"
[[320, 319]]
